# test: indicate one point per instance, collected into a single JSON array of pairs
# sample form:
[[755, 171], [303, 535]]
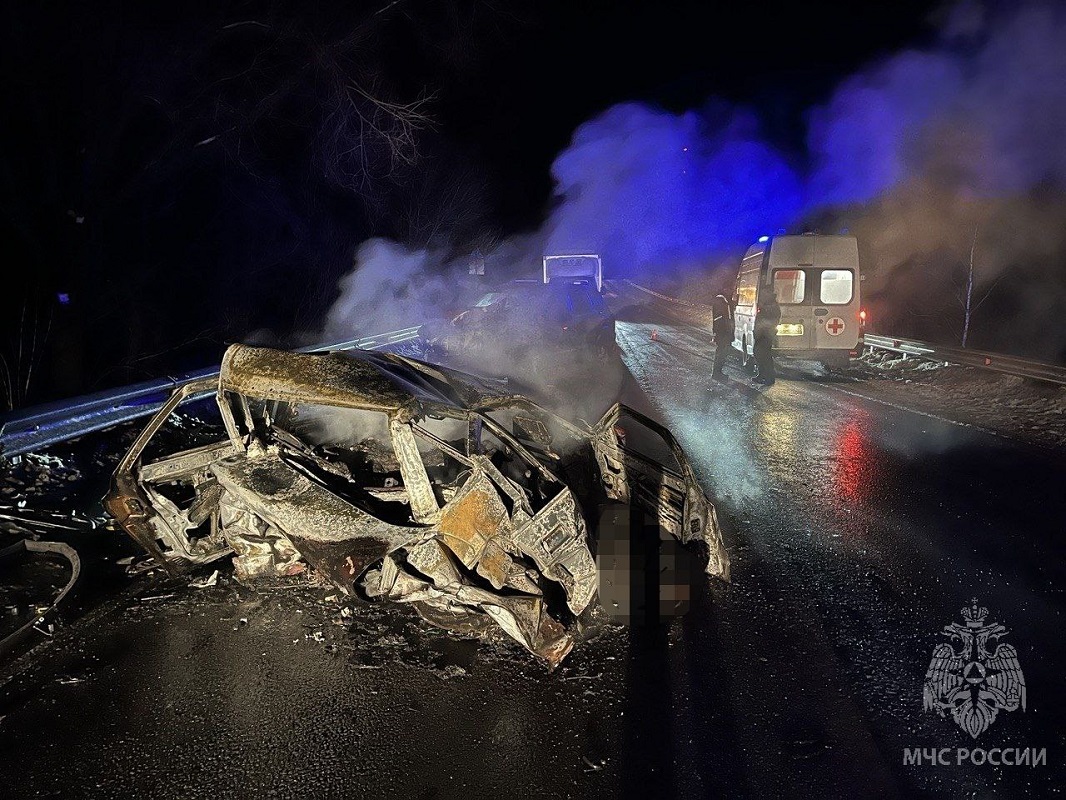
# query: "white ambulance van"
[[816, 281]]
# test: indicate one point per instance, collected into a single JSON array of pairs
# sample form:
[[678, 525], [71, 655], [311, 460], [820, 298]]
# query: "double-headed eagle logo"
[[971, 681]]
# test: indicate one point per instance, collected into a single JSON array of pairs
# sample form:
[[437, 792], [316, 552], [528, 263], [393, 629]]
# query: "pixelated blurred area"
[[645, 574]]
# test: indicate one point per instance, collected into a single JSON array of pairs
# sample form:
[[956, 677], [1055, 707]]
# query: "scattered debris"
[[401, 480], [583, 677], [451, 671], [39, 475], [152, 597], [19, 517], [136, 566], [594, 767], [203, 583]]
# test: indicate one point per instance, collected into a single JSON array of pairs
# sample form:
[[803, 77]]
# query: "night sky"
[[168, 182], [574, 60]]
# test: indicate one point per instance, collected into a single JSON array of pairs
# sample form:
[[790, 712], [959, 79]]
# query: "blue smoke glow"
[[980, 114], [927, 157], [648, 189]]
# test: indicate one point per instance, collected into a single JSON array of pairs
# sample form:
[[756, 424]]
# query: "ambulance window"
[[747, 287], [746, 295], [789, 285], [836, 286]]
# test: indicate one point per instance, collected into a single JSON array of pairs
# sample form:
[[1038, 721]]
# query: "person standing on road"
[[767, 318], [722, 326]]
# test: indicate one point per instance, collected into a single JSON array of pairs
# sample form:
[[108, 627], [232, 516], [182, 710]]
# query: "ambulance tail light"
[[862, 317]]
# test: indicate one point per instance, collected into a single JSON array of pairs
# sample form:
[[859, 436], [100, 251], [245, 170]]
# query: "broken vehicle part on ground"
[[38, 614], [402, 480]]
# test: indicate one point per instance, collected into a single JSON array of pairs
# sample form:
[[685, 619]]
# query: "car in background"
[[530, 329]]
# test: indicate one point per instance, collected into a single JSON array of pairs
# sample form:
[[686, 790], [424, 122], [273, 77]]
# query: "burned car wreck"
[[401, 480]]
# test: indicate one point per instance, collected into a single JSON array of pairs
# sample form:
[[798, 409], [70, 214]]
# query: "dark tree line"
[[176, 177]]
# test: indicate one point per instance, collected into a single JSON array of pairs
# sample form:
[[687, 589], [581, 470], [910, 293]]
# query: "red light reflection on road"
[[854, 469]]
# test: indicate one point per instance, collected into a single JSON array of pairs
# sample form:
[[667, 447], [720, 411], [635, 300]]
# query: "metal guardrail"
[[997, 362], [677, 300], [34, 428]]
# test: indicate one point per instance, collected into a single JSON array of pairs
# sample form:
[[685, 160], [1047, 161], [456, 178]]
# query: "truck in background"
[[572, 267]]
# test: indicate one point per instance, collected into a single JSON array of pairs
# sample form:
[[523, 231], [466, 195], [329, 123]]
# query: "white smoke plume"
[[925, 156]]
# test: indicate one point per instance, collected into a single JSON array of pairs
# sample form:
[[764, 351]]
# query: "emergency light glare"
[[763, 239]]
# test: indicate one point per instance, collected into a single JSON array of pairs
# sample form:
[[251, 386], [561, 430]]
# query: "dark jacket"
[[722, 313], [766, 321]]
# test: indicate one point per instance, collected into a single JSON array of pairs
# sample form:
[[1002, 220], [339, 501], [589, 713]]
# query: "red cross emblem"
[[834, 326]]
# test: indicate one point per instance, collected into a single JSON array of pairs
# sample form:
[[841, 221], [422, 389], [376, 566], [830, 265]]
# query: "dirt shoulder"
[[1017, 408]]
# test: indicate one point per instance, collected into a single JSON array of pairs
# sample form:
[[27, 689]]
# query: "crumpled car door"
[[151, 520], [637, 453]]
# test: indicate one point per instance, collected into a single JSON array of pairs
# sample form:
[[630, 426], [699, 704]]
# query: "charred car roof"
[[362, 379]]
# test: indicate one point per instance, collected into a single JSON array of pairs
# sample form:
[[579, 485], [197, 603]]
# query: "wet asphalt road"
[[857, 531]]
